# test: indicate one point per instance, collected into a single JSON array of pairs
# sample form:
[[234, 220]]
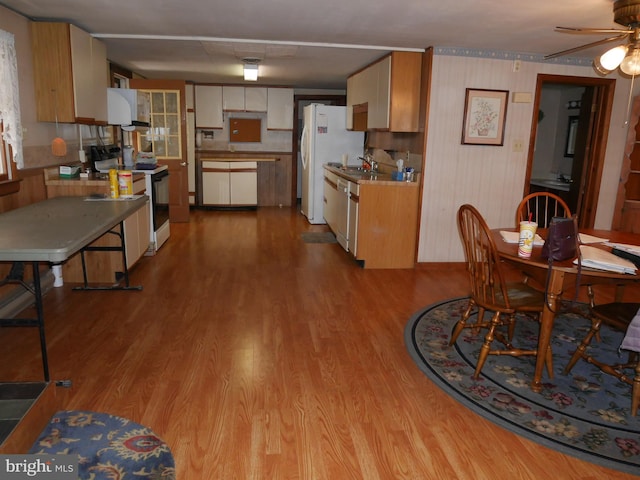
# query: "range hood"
[[128, 108]]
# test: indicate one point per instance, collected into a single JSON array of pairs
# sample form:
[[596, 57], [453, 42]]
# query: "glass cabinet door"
[[163, 137]]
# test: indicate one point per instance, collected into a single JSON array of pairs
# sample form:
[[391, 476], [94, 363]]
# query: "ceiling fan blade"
[[593, 30], [583, 47]]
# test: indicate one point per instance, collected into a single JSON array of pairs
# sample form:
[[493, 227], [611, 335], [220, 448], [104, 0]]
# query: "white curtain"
[[9, 96]]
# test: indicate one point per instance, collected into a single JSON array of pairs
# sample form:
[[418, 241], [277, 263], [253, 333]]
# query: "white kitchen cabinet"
[[336, 207], [229, 183], [136, 227], [208, 106], [71, 74], [255, 99], [280, 108], [232, 98], [244, 99]]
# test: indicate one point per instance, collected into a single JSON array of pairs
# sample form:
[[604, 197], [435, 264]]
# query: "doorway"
[[568, 140]]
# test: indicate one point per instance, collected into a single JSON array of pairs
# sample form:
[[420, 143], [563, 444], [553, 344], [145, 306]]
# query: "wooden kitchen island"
[[376, 219]]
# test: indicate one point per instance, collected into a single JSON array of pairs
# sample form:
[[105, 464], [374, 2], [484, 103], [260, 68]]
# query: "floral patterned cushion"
[[108, 447]]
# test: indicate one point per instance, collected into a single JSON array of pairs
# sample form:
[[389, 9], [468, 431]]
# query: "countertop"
[[364, 178], [227, 156], [551, 184]]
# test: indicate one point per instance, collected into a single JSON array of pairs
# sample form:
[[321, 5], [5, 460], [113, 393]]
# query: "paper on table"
[[602, 260], [514, 237], [584, 239]]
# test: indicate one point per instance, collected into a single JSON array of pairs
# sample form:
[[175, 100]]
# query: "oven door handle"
[[157, 177]]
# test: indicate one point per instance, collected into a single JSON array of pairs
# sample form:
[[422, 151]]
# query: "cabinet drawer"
[[215, 165]]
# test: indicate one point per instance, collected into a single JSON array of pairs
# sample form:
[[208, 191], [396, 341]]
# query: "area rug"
[[318, 237], [585, 414], [16, 399], [108, 447]]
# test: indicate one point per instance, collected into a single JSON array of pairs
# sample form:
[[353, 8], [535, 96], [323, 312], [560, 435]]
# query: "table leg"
[[554, 292], [40, 314]]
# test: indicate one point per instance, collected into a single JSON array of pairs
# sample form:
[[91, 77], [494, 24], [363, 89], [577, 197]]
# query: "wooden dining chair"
[[542, 206], [617, 315], [490, 291]]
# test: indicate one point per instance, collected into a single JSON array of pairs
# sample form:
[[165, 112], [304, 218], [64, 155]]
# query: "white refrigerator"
[[325, 139]]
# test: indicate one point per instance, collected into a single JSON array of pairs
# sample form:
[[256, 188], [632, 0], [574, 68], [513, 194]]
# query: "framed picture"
[[485, 112], [572, 130]]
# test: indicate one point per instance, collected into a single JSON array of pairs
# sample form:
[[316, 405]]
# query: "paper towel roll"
[[345, 159]]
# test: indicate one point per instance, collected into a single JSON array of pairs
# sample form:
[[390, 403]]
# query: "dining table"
[[560, 277]]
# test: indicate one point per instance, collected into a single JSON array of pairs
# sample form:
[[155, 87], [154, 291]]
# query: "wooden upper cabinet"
[[389, 91], [71, 74]]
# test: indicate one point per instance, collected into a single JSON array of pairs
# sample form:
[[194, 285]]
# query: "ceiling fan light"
[[631, 63], [611, 59]]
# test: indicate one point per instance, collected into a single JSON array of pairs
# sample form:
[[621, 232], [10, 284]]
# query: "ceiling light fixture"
[[250, 69]]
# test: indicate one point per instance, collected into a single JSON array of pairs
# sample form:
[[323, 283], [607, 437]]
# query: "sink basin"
[[556, 183]]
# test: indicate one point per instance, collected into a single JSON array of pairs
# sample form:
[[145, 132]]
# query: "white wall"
[[490, 177]]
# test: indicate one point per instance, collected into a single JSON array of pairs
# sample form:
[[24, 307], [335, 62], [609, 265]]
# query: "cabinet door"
[[330, 210], [243, 188], [280, 108], [100, 79], [233, 98], [82, 71], [208, 101], [381, 77], [215, 183], [136, 235], [255, 99]]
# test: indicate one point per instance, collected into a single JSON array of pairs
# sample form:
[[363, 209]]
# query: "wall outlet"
[[518, 145], [517, 64]]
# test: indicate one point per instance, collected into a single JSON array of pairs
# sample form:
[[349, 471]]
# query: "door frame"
[[596, 144], [178, 174]]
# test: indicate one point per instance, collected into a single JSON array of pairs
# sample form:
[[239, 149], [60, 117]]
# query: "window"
[[11, 131], [163, 137]]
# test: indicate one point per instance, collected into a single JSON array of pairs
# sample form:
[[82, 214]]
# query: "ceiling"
[[312, 44]]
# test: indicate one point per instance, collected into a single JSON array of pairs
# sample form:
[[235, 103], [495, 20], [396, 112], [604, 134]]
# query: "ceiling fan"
[[626, 56]]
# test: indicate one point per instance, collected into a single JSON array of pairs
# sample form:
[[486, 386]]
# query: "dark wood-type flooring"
[[258, 356]]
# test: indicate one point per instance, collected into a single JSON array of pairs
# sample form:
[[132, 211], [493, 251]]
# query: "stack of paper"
[[514, 237], [599, 259], [584, 239]]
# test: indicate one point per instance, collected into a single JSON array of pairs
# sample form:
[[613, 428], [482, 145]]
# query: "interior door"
[[590, 145], [168, 138]]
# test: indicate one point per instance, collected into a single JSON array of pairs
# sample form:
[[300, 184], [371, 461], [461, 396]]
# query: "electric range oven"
[[157, 188]]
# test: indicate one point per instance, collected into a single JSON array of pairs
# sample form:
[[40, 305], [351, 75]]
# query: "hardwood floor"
[[255, 356]]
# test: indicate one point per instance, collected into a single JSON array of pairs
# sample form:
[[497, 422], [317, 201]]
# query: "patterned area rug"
[[108, 447], [585, 414], [318, 237]]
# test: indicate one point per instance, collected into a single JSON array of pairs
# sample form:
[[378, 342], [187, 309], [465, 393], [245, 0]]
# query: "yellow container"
[[114, 188], [125, 181]]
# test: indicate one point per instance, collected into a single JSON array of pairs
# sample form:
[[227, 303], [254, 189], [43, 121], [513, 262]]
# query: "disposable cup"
[[527, 234]]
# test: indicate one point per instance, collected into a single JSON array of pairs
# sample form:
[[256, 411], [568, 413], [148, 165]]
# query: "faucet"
[[368, 159]]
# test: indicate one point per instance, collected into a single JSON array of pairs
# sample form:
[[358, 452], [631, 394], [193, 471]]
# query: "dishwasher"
[[342, 213]]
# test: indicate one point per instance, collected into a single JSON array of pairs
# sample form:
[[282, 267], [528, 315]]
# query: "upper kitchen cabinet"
[[280, 108], [386, 94], [244, 99], [71, 74], [208, 102]]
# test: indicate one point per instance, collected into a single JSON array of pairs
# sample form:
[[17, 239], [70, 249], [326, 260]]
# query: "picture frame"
[[572, 130], [485, 113]]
